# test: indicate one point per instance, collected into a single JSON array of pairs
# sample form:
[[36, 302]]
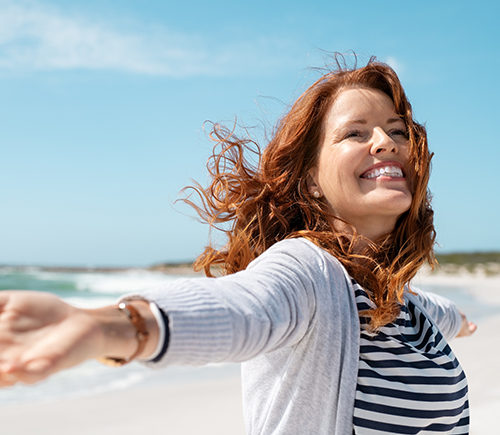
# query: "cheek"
[[336, 171], [337, 183], [330, 163], [329, 177]]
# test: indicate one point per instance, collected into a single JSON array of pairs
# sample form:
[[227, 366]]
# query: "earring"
[[317, 194]]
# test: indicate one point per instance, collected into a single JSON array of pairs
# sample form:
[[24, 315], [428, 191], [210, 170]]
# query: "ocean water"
[[88, 290], [93, 289]]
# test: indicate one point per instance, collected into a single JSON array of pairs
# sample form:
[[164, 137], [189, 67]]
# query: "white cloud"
[[34, 36]]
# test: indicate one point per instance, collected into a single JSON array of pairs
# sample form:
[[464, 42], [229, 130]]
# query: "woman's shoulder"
[[303, 254], [299, 248]]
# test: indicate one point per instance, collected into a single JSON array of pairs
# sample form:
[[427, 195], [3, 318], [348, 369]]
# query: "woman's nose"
[[382, 143]]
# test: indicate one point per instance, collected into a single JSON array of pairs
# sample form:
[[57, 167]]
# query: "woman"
[[325, 236]]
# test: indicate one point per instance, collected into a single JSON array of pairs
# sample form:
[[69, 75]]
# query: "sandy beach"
[[209, 408], [213, 407]]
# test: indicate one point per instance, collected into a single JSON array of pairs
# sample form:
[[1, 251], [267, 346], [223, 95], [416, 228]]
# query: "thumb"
[[34, 370]]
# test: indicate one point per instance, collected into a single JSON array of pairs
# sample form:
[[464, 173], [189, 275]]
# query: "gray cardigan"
[[291, 317]]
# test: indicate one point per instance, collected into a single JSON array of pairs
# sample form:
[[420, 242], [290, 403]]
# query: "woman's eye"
[[399, 132], [352, 133]]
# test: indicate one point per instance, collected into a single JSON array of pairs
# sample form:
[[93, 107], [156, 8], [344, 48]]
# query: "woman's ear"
[[312, 183]]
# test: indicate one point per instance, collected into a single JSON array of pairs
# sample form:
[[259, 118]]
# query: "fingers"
[[7, 379], [29, 373], [8, 376], [36, 371], [472, 328], [4, 297]]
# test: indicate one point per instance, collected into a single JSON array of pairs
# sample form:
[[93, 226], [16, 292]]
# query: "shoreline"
[[170, 269], [490, 270]]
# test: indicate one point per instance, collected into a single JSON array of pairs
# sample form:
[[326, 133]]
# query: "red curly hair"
[[261, 204]]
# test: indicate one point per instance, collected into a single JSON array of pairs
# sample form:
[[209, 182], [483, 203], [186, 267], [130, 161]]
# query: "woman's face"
[[361, 168]]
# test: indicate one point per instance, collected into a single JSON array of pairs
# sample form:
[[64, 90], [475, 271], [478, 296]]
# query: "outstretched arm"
[[468, 328], [450, 320], [40, 335]]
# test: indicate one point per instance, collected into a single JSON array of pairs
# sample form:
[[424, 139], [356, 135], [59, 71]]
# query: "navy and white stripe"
[[409, 381]]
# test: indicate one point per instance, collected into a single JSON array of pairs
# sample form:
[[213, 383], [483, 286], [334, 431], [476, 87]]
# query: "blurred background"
[[103, 103]]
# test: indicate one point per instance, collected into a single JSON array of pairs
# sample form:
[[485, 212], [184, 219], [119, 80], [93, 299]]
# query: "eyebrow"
[[364, 121], [393, 120]]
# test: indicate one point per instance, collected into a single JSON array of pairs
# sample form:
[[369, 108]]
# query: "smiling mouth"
[[386, 171]]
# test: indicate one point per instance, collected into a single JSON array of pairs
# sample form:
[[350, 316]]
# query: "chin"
[[394, 202]]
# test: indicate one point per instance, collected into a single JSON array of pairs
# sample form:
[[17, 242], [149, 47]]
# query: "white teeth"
[[388, 171]]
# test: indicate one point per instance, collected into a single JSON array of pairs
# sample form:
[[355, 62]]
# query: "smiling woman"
[[310, 183], [362, 162], [323, 238]]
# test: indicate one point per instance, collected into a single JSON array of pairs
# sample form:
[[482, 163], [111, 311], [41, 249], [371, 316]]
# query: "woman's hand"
[[40, 335], [468, 328]]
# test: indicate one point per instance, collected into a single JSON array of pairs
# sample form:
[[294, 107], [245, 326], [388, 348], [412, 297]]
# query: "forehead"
[[368, 105]]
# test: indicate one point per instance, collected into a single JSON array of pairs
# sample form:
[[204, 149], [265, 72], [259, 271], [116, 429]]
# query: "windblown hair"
[[261, 204]]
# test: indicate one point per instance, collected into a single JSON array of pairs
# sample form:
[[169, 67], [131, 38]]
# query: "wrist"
[[119, 337], [151, 324]]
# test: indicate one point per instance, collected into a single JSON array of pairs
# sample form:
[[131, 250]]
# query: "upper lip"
[[384, 164]]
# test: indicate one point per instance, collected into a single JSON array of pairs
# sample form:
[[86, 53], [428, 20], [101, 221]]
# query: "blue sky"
[[102, 106]]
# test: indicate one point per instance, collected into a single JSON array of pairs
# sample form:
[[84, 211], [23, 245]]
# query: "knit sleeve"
[[268, 306]]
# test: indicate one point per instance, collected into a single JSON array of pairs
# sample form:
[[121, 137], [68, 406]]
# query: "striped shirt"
[[409, 381]]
